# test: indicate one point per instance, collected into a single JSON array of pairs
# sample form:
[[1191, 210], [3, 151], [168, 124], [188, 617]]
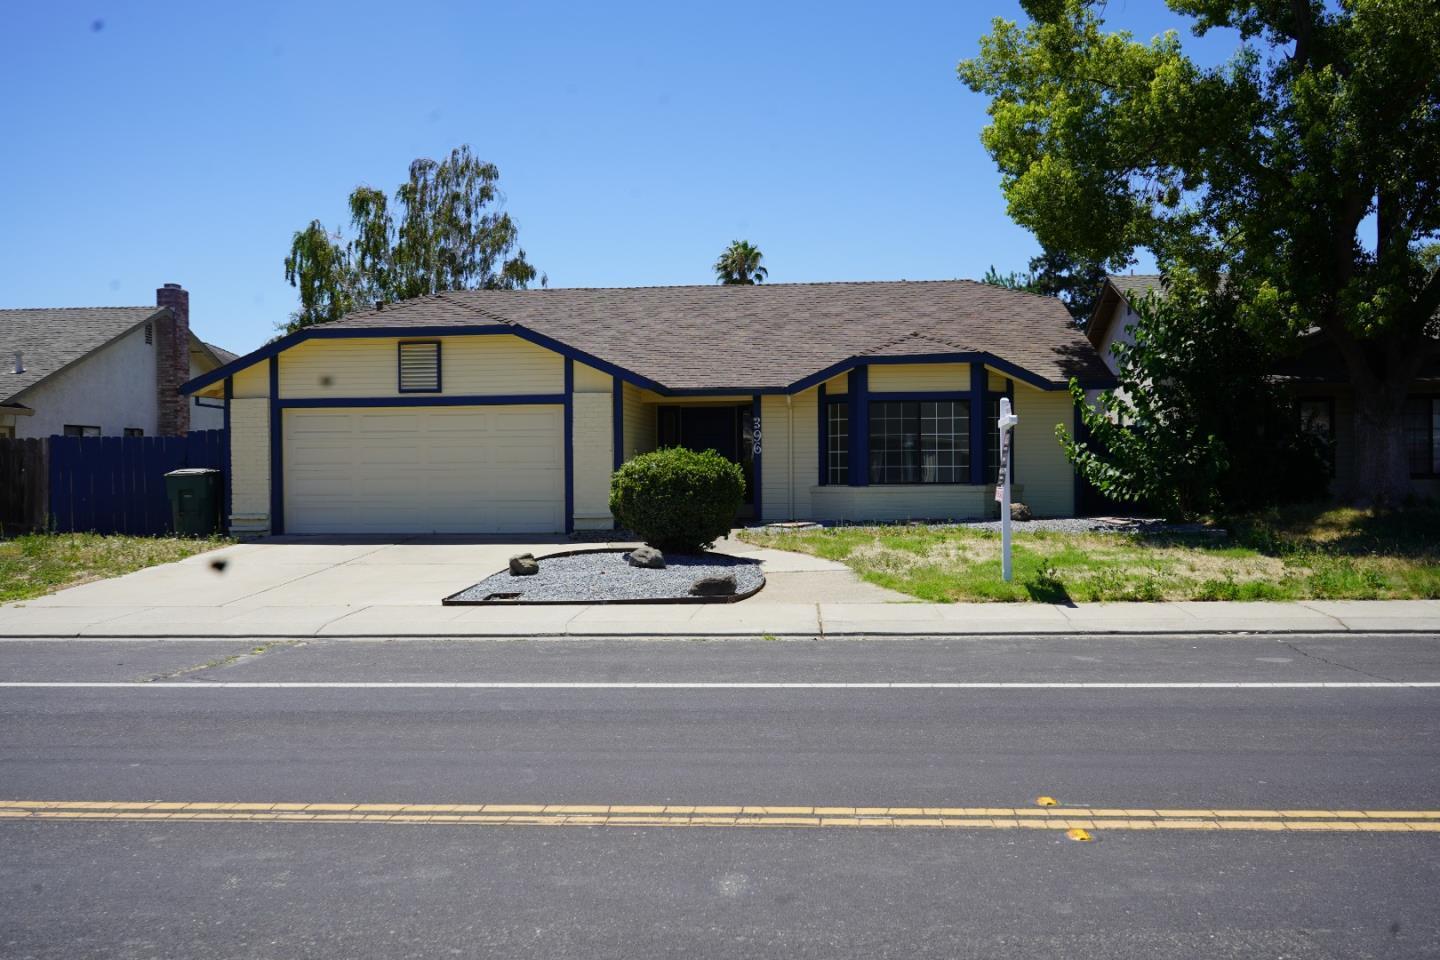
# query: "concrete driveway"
[[306, 586]]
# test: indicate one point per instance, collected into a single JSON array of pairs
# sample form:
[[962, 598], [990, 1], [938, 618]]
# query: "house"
[[505, 411], [105, 371], [1315, 376]]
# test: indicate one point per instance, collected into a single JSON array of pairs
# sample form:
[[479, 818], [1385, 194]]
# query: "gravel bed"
[[603, 575]]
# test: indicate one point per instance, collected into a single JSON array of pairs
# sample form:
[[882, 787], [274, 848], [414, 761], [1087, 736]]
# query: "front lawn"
[[36, 564], [1298, 554]]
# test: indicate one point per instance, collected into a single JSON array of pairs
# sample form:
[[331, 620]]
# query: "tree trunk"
[[1382, 462]]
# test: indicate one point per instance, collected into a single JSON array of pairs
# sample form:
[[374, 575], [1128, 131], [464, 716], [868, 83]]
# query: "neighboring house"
[[506, 411], [1315, 376], [1114, 318], [105, 371]]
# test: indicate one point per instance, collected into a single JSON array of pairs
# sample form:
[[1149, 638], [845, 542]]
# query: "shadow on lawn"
[[1410, 533]]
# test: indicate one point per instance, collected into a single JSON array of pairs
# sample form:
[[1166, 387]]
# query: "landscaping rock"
[[717, 586], [1018, 511], [646, 556], [524, 565]]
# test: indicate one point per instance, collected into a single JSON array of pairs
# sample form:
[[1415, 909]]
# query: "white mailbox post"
[[1007, 426]]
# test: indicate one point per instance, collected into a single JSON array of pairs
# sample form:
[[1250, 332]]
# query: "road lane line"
[[721, 685], [1057, 818]]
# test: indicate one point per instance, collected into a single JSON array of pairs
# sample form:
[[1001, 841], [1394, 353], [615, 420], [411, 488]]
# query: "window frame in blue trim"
[[400, 346], [986, 467]]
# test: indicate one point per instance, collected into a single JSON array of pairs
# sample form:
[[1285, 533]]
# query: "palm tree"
[[740, 264]]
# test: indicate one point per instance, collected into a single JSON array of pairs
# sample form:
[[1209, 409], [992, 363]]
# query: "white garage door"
[[497, 469]]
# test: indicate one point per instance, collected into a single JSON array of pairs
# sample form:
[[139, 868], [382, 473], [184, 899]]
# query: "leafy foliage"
[[1302, 171], [446, 233], [740, 265], [677, 499], [1074, 281], [1195, 426]]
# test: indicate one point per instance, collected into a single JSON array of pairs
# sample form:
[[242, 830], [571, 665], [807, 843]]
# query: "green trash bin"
[[194, 501]]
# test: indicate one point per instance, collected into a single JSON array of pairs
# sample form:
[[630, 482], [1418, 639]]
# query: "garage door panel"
[[446, 470]]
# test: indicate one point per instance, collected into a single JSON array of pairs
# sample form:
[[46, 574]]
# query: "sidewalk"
[[745, 619]]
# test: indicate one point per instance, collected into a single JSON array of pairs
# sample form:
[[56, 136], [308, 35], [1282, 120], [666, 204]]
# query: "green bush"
[[677, 499]]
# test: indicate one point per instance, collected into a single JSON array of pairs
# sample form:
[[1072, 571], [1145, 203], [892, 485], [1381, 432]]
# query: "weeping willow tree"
[[444, 230]]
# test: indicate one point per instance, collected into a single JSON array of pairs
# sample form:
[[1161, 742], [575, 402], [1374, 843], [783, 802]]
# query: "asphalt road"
[[276, 889]]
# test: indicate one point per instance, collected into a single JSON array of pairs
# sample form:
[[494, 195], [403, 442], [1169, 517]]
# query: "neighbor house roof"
[[1127, 286], [49, 340], [768, 336]]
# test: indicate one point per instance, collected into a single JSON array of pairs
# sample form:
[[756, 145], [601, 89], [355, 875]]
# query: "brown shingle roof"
[[770, 335]]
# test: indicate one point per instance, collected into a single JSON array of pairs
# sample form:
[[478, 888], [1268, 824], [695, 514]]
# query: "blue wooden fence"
[[117, 484]]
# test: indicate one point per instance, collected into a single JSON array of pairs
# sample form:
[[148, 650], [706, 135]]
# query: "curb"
[[781, 635]]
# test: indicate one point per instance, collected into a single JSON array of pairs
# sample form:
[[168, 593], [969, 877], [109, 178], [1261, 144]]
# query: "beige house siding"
[[488, 365], [639, 422], [1040, 462], [789, 455], [253, 381], [594, 447], [250, 458], [897, 377]]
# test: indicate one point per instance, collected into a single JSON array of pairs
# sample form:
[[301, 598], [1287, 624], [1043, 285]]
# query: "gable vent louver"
[[420, 367]]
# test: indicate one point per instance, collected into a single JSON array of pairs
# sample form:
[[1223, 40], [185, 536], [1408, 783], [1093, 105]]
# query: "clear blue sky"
[[155, 142]]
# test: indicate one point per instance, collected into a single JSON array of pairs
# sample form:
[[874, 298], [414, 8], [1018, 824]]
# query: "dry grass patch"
[[1327, 554], [37, 564]]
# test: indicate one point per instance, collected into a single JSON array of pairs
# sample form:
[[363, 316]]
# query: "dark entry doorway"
[[724, 429]]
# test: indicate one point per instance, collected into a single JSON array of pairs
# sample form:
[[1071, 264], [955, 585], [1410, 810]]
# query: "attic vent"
[[420, 367], [149, 333]]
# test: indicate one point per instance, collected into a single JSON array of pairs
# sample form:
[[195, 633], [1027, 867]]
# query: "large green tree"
[[1303, 171], [1074, 281], [446, 232], [740, 265]]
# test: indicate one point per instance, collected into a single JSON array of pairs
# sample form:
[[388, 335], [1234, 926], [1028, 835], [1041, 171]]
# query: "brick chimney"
[[172, 360]]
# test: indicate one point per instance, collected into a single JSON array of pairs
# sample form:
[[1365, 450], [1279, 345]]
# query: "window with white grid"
[[837, 431], [920, 441]]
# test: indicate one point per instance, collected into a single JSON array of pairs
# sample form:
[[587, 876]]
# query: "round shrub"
[[676, 499]]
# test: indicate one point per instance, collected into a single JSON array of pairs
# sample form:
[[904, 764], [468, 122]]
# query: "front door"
[[726, 430]]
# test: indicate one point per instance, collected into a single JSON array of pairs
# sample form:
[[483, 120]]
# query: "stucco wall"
[[112, 388]]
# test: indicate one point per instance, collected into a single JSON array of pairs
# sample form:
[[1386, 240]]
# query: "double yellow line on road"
[[701, 815]]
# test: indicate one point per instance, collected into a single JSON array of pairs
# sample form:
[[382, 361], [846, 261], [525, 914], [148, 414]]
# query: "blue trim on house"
[[758, 448], [439, 387], [229, 448], [277, 452], [617, 420], [361, 333], [824, 444], [859, 430], [337, 333], [569, 401], [428, 400], [979, 380]]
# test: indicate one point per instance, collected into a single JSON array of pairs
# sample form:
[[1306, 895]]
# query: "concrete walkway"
[[305, 587]]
